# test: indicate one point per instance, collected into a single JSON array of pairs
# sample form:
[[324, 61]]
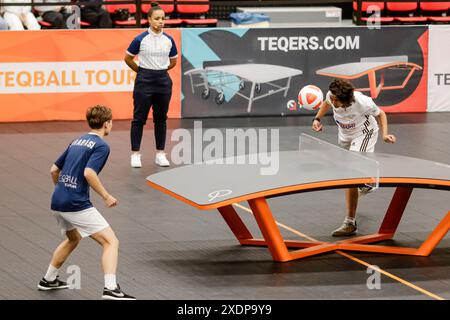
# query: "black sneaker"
[[116, 294], [52, 285]]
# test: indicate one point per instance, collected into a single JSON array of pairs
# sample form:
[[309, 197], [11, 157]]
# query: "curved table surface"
[[357, 69], [209, 186]]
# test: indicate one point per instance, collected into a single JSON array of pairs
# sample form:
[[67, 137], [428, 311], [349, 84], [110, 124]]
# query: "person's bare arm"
[[129, 60], [54, 171], [317, 125], [382, 120], [173, 63], [95, 183]]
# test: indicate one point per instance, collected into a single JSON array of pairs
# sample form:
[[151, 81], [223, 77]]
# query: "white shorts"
[[87, 222], [362, 143]]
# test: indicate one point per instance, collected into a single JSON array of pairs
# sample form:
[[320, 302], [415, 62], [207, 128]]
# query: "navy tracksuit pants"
[[152, 89]]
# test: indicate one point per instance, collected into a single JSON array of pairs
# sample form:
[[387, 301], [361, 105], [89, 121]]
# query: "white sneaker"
[[136, 160], [161, 160]]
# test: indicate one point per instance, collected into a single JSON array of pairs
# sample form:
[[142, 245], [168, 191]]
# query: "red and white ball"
[[310, 97]]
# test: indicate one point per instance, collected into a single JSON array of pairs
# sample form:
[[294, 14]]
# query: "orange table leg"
[[389, 227], [269, 229], [391, 220], [274, 240], [235, 223], [278, 247], [272, 236], [288, 243], [395, 210], [424, 250], [404, 83], [435, 237], [374, 90]]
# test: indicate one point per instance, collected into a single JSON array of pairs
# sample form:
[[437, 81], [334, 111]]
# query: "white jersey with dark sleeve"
[[154, 49], [356, 120]]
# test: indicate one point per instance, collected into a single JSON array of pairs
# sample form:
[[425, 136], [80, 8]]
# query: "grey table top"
[[354, 69], [259, 73], [211, 185]]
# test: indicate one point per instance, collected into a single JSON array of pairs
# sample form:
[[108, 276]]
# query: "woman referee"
[[153, 86]]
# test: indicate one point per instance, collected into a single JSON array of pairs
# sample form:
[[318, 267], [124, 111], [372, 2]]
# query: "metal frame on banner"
[[218, 80]]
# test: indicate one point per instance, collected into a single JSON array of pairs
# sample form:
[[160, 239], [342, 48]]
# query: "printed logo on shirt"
[[68, 181], [346, 125], [374, 109], [83, 143]]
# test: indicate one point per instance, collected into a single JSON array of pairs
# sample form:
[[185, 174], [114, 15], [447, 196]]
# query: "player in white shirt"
[[357, 117]]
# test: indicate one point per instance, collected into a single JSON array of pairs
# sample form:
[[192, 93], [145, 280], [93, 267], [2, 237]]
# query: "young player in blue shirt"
[[73, 173]]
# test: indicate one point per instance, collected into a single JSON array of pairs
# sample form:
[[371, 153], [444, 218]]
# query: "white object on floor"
[[161, 160], [136, 160]]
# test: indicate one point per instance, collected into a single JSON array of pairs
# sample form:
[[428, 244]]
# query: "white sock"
[[110, 281], [350, 220], [51, 274]]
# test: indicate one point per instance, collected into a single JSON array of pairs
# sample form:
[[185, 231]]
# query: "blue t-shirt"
[[72, 190]]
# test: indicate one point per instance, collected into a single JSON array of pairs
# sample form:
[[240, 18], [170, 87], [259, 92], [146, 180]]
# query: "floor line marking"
[[348, 256]]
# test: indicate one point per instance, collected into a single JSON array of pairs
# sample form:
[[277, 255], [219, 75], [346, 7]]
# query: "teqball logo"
[[219, 194], [291, 105]]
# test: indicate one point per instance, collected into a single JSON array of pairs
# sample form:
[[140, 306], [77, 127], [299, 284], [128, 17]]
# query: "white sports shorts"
[[362, 143], [87, 222]]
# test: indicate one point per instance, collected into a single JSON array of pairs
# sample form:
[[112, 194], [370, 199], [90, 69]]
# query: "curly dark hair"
[[343, 91]]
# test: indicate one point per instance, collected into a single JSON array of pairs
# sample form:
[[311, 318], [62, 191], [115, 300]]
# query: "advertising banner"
[[439, 70], [245, 72], [58, 74]]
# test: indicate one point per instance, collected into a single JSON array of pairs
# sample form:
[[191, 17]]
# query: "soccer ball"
[[310, 97]]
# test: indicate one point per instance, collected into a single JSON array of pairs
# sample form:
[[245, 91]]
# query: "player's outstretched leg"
[[51, 281]]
